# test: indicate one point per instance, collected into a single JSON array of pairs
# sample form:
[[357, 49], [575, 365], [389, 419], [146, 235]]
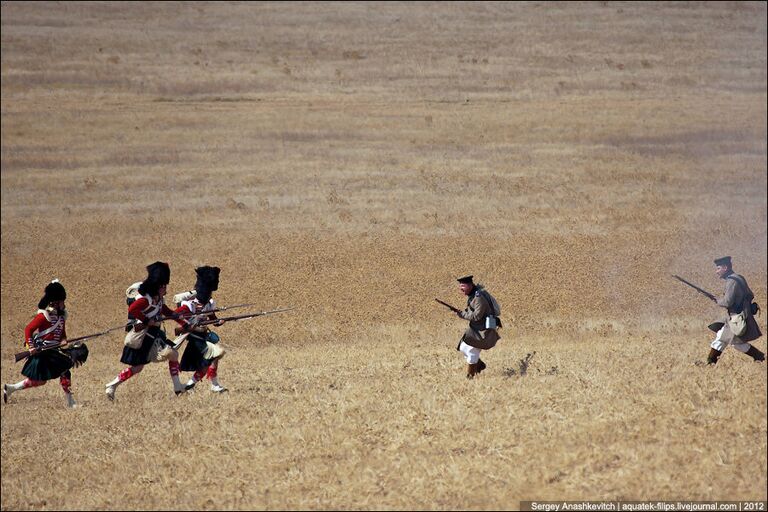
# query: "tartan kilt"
[[141, 355], [47, 365], [199, 353]]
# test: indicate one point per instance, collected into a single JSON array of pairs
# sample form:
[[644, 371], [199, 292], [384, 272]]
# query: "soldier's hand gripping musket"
[[183, 316], [701, 291], [41, 347], [215, 310], [220, 321], [245, 316], [455, 310]]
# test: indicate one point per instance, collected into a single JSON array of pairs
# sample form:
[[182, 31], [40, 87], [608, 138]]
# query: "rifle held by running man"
[[455, 310], [703, 292], [42, 347], [180, 332]]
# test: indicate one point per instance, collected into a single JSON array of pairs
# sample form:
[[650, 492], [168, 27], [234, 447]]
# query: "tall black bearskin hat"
[[207, 282], [158, 274], [53, 292]]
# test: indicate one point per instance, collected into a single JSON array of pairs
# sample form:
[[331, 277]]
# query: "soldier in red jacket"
[[146, 342], [203, 350], [46, 330]]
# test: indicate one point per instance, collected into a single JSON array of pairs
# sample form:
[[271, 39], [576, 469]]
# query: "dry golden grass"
[[351, 160]]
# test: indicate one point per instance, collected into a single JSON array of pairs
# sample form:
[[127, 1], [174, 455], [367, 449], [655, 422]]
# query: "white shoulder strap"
[[52, 327]]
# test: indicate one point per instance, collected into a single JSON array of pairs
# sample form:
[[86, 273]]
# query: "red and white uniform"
[[145, 310], [50, 324], [194, 312]]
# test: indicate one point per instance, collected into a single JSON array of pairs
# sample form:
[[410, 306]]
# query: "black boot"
[[480, 365], [755, 354], [714, 354]]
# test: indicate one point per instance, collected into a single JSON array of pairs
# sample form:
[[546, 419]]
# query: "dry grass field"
[[351, 160]]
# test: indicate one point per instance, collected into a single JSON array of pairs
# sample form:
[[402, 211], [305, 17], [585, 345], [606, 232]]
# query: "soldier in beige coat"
[[737, 298], [477, 336]]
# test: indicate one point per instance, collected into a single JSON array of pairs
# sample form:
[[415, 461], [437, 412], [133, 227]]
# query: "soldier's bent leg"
[[126, 374], [471, 353], [718, 343], [196, 377], [746, 348], [122, 377], [714, 354], [717, 347], [66, 385], [8, 389], [173, 369], [66, 382], [755, 353], [213, 372]]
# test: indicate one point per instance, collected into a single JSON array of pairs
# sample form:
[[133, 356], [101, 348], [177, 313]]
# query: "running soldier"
[[145, 341], [737, 299], [482, 312], [203, 350], [46, 331]]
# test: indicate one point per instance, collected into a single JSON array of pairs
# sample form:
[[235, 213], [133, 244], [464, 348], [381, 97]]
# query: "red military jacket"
[[146, 310], [50, 324], [195, 312]]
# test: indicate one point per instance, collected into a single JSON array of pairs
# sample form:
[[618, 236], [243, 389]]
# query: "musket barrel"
[[23, 355], [700, 290], [455, 310]]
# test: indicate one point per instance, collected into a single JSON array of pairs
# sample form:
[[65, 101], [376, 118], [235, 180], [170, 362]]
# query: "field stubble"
[[570, 156]]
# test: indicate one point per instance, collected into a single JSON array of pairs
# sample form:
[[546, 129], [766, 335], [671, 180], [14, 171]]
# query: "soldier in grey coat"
[[476, 337], [737, 298]]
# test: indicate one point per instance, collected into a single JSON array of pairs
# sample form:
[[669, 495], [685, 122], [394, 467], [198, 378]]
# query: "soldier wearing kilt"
[[48, 329], [146, 342], [203, 350], [477, 336]]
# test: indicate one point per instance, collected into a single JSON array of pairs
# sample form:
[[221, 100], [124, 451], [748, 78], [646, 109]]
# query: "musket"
[[191, 313], [241, 317], [23, 355], [215, 310], [455, 310], [224, 308], [235, 318], [703, 292]]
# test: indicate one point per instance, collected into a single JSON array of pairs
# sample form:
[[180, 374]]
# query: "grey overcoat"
[[738, 297], [478, 308]]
